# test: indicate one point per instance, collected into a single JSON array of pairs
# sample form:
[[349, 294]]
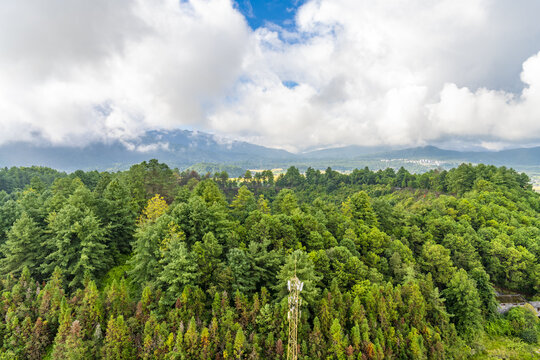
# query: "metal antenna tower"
[[295, 286]]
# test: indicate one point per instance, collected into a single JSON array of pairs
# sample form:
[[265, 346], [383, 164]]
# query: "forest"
[[157, 263]]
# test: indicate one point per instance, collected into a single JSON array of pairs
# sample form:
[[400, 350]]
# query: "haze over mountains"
[[183, 148]]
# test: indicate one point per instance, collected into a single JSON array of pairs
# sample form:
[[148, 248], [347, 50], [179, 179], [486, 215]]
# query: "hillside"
[[155, 261]]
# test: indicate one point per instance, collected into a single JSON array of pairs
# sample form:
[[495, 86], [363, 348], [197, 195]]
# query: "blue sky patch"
[[259, 12], [290, 84]]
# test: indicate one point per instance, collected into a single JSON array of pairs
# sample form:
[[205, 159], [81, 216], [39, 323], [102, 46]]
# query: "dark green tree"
[[23, 247], [463, 304], [119, 215], [179, 270]]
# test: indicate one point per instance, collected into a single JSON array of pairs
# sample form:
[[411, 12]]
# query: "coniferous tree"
[[60, 347], [207, 255], [117, 299], [119, 215], [23, 247], [463, 303], [239, 341], [150, 241], [75, 346], [179, 270], [90, 310], [485, 292], [117, 344], [243, 203], [39, 341], [77, 242]]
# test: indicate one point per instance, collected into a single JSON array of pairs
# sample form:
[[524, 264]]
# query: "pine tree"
[[179, 270], [239, 341], [39, 340], [485, 291], [191, 339], [206, 345], [22, 247], [243, 203], [50, 300], [60, 348], [117, 299], [336, 339], [90, 310], [149, 239], [155, 207], [262, 205], [240, 265], [317, 348], [118, 344], [436, 260], [119, 215], [286, 202], [75, 347], [207, 256], [77, 244], [463, 303], [358, 207], [94, 258]]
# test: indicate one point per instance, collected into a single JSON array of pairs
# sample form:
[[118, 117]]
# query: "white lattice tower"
[[295, 286]]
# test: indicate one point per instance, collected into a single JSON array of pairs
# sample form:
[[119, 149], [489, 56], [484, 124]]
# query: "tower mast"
[[295, 286]]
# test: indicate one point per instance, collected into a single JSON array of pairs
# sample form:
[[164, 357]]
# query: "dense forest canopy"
[[155, 263]]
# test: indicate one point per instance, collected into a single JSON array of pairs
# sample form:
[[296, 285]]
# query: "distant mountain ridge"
[[511, 157], [179, 148], [184, 148]]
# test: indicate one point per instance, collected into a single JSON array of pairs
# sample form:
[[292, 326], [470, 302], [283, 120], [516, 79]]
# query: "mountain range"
[[184, 149]]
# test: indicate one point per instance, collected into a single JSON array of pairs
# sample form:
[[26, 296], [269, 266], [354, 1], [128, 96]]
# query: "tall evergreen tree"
[[77, 243], [119, 215], [23, 247], [117, 344], [207, 256], [179, 270], [463, 303], [150, 241]]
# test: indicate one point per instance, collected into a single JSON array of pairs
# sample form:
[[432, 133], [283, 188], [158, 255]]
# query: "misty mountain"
[[347, 152], [179, 148], [185, 149]]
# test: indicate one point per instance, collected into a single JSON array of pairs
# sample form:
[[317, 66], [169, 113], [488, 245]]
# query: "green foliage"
[[117, 343], [23, 247], [118, 213], [77, 242], [524, 323], [298, 263], [463, 303], [179, 270], [152, 263]]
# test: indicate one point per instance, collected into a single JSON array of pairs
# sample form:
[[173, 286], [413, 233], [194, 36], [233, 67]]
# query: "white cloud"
[[78, 71], [400, 72], [369, 70], [502, 115]]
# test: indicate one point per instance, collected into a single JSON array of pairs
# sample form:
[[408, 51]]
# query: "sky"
[[295, 75]]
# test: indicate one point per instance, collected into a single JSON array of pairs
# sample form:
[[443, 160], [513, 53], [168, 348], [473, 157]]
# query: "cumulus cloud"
[[403, 72], [503, 115], [78, 71], [369, 72]]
